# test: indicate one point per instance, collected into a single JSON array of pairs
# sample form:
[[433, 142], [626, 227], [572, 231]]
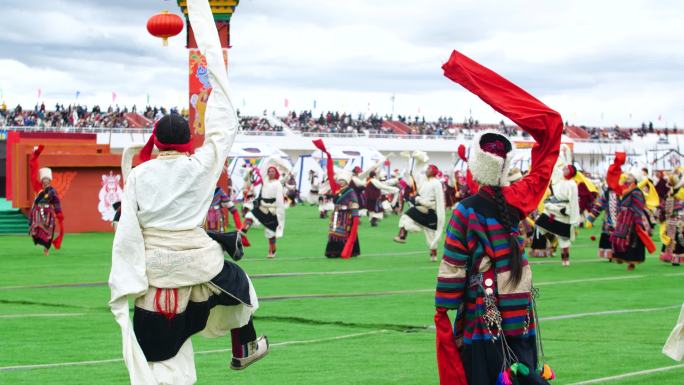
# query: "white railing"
[[80, 130], [314, 134], [263, 133]]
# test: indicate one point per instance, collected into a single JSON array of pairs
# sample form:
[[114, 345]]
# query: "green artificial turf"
[[367, 323]]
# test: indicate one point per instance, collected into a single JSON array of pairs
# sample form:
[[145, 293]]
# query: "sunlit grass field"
[[361, 321]]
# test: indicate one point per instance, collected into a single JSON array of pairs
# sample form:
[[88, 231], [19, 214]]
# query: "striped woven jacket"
[[476, 241]]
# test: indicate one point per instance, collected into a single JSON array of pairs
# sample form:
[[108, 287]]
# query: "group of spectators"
[[618, 133], [71, 116], [334, 122], [328, 122], [256, 123]]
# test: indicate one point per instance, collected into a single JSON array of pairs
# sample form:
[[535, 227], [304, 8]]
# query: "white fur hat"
[[514, 175], [420, 156], [678, 181], [44, 173], [343, 175], [488, 168], [636, 173]]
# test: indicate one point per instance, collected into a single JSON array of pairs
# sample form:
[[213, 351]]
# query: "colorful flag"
[[113, 96], [287, 103], [314, 104], [40, 92], [78, 93], [148, 99]]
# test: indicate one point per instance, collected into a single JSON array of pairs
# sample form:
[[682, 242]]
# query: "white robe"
[[273, 189], [169, 196], [566, 191], [431, 196], [385, 189]]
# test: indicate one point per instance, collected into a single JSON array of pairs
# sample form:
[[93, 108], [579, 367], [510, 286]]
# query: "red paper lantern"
[[165, 25]]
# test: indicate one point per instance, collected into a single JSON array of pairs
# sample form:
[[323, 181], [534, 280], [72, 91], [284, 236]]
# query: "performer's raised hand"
[[37, 150]]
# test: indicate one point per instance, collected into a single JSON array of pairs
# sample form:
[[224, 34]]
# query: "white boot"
[[257, 349]]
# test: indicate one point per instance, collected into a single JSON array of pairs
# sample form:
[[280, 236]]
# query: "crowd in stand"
[[81, 116], [256, 123], [334, 122], [71, 116]]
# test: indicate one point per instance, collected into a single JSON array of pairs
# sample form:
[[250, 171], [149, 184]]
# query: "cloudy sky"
[[597, 62]]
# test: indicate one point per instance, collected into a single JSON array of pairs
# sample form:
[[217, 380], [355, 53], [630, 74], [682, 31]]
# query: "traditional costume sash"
[[181, 258]]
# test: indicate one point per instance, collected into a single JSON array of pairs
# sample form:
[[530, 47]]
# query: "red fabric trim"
[[238, 225], [542, 123], [185, 147], [36, 184], [349, 246], [168, 302], [646, 239], [462, 153], [449, 363], [146, 152], [473, 186], [329, 165], [614, 172], [57, 242]]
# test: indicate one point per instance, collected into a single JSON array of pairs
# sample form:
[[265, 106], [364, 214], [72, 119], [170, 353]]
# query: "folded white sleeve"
[[127, 279]]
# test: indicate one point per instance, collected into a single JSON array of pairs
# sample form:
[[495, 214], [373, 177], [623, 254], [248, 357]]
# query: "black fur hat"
[[173, 129]]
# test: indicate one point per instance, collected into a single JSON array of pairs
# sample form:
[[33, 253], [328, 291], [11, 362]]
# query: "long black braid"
[[516, 261]]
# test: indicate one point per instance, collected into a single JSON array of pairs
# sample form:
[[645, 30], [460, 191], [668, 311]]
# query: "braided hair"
[[516, 261]]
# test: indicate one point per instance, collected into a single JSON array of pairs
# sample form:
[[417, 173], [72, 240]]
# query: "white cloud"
[[597, 62]]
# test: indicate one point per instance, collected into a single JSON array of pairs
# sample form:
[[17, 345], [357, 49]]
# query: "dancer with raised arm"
[[343, 238], [269, 207], [46, 219], [163, 260], [484, 274], [427, 213]]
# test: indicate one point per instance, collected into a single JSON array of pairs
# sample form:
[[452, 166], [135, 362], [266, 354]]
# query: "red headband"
[[434, 169], [572, 171], [146, 152], [277, 173]]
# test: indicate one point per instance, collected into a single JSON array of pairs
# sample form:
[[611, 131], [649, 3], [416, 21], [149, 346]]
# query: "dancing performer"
[[325, 199], [427, 214], [343, 231], [561, 212], [358, 183], [291, 191], [630, 237], [450, 182], [164, 260], [46, 216], [484, 274], [313, 190], [269, 207], [216, 219], [251, 181], [674, 346], [540, 244], [375, 191], [608, 204], [672, 223], [587, 193]]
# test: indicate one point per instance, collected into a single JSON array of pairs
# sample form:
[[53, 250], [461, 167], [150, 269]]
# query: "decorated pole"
[[199, 86]]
